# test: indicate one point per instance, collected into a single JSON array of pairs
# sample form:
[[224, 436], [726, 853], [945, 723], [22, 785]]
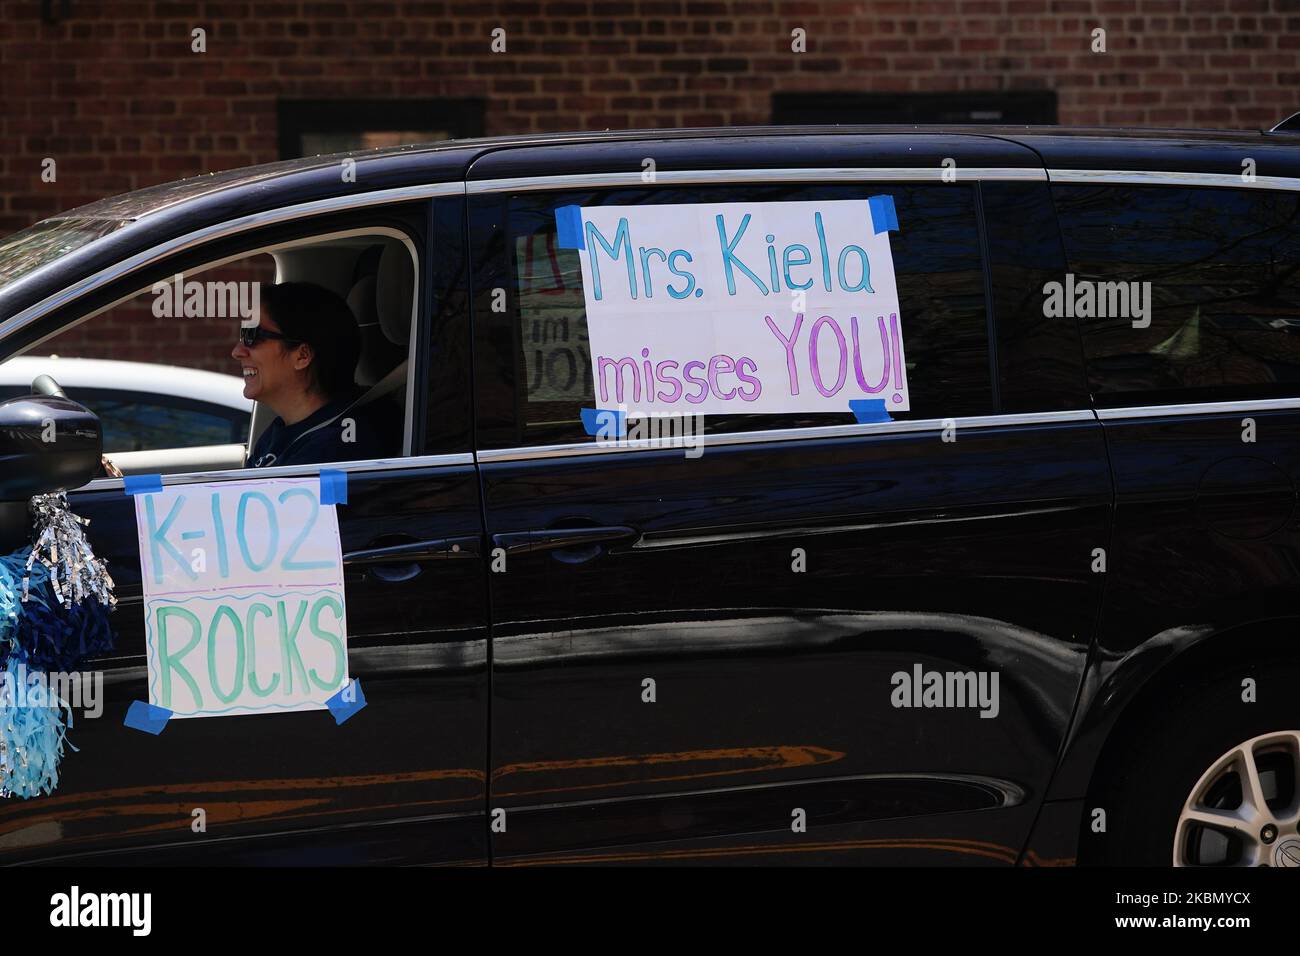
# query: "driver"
[[300, 360]]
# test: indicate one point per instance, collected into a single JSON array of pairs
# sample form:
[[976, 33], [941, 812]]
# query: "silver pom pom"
[[61, 545]]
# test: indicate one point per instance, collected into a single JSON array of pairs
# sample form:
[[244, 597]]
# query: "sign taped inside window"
[[720, 308], [553, 333], [243, 597]]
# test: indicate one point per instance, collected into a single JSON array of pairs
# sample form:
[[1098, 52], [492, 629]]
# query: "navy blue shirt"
[[303, 443]]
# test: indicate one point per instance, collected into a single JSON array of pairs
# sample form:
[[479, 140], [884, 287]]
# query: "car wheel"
[[1211, 780]]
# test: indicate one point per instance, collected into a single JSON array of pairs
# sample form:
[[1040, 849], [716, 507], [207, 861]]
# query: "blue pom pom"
[[10, 583], [54, 637], [39, 634], [31, 736]]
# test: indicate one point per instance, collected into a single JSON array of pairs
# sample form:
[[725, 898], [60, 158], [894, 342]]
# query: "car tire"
[[1185, 764]]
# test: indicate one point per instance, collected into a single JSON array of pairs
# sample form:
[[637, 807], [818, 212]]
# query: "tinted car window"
[[937, 263], [136, 422], [1224, 304], [1040, 361]]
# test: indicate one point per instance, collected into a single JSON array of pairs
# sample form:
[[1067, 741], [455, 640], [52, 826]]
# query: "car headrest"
[[361, 300], [378, 354], [394, 293]]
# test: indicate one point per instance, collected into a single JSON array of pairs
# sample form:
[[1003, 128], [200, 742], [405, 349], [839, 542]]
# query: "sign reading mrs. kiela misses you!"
[[243, 597], [724, 308]]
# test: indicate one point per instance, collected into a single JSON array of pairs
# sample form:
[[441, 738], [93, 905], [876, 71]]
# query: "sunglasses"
[[250, 336]]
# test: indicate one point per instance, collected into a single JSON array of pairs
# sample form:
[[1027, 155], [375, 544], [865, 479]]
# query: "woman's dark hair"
[[313, 314]]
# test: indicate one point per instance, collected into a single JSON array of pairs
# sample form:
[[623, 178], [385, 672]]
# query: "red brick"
[[118, 97]]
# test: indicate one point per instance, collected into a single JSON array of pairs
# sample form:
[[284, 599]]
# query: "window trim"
[[232, 227], [291, 471], [819, 433], [714, 177], [1142, 177], [1235, 406]]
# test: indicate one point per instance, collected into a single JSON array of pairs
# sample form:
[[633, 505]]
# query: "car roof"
[[74, 373], [1059, 140], [177, 208]]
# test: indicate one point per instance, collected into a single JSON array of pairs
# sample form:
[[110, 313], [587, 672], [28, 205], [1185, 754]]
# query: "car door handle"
[[409, 553], [580, 543], [434, 549]]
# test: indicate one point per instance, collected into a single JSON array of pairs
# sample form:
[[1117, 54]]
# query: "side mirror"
[[47, 443]]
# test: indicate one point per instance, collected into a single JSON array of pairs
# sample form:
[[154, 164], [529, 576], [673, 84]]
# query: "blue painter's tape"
[[883, 215], [343, 709], [568, 227], [596, 420], [869, 410], [147, 717], [141, 484], [333, 487]]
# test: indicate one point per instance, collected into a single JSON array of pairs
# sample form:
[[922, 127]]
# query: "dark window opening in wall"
[[313, 127], [1013, 107]]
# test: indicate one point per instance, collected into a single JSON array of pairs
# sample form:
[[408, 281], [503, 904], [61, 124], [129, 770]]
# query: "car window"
[[937, 263], [1212, 287], [152, 327], [157, 377], [1040, 361], [139, 421]]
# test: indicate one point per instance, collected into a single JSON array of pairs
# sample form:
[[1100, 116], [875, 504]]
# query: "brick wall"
[[130, 332], [115, 95]]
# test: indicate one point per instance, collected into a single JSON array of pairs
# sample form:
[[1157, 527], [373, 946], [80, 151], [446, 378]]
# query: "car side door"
[[1186, 290], [724, 657], [402, 781]]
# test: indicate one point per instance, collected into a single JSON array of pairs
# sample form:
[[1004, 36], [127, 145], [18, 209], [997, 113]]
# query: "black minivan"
[[1036, 604]]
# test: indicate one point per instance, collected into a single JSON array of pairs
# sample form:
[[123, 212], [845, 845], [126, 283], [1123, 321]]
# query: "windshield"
[[28, 250]]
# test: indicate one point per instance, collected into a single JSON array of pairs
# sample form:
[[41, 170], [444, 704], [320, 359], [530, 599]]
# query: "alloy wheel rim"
[[1245, 809]]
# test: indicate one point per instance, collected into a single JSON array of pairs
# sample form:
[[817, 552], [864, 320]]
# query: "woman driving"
[[300, 360]]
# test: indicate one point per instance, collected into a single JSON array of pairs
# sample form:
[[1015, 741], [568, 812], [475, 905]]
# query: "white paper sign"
[[243, 597], [713, 308]]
